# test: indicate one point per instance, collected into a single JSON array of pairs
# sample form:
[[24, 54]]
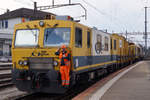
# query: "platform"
[[131, 84]]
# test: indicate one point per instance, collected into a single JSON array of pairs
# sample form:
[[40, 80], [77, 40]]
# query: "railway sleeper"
[[5, 68], [8, 75], [4, 85], [6, 80]]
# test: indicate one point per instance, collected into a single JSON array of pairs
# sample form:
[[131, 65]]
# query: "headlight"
[[55, 63], [20, 62], [41, 23], [25, 63]]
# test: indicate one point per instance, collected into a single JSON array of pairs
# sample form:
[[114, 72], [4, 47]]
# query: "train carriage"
[[101, 49], [114, 50], [122, 45], [118, 47], [132, 52], [139, 52], [126, 52]]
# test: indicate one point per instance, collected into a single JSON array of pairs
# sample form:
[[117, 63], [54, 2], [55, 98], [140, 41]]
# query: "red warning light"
[[69, 17]]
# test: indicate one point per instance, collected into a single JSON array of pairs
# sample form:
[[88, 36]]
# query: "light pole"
[[146, 28]]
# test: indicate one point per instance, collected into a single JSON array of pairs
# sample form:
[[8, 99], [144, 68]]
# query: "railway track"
[[13, 94], [5, 82], [5, 78], [74, 91], [7, 89], [5, 66], [9, 92]]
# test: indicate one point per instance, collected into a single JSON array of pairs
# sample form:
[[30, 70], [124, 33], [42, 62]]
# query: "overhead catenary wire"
[[118, 21], [3, 9], [105, 14], [145, 1], [98, 10], [138, 24], [32, 0]]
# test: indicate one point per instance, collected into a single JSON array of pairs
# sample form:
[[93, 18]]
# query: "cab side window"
[[111, 44], [78, 37], [115, 45], [106, 43], [88, 39]]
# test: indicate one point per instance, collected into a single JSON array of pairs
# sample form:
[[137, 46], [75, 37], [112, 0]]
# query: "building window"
[[106, 44], [78, 37], [6, 24], [88, 39], [1, 49], [115, 45], [2, 23]]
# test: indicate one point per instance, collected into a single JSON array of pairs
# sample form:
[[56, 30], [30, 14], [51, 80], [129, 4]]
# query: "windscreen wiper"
[[35, 35], [47, 33]]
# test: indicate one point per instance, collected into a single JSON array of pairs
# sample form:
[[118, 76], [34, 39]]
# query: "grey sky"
[[113, 15]]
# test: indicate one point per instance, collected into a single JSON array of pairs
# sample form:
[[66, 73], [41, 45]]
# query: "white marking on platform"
[[98, 95]]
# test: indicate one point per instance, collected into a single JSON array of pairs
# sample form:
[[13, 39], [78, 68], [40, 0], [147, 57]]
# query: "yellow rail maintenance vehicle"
[[36, 68], [132, 52], [138, 52], [118, 42], [115, 49], [127, 53], [122, 45]]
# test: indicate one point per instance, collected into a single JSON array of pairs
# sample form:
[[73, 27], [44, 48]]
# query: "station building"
[[10, 18]]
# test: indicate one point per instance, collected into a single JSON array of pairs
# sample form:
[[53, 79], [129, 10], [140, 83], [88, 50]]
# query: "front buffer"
[[38, 81]]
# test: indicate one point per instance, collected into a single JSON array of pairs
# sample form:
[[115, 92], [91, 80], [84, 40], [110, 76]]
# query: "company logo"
[[98, 44], [41, 53]]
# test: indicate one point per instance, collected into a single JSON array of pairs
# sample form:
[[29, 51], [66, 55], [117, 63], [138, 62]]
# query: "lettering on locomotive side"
[[41, 53]]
